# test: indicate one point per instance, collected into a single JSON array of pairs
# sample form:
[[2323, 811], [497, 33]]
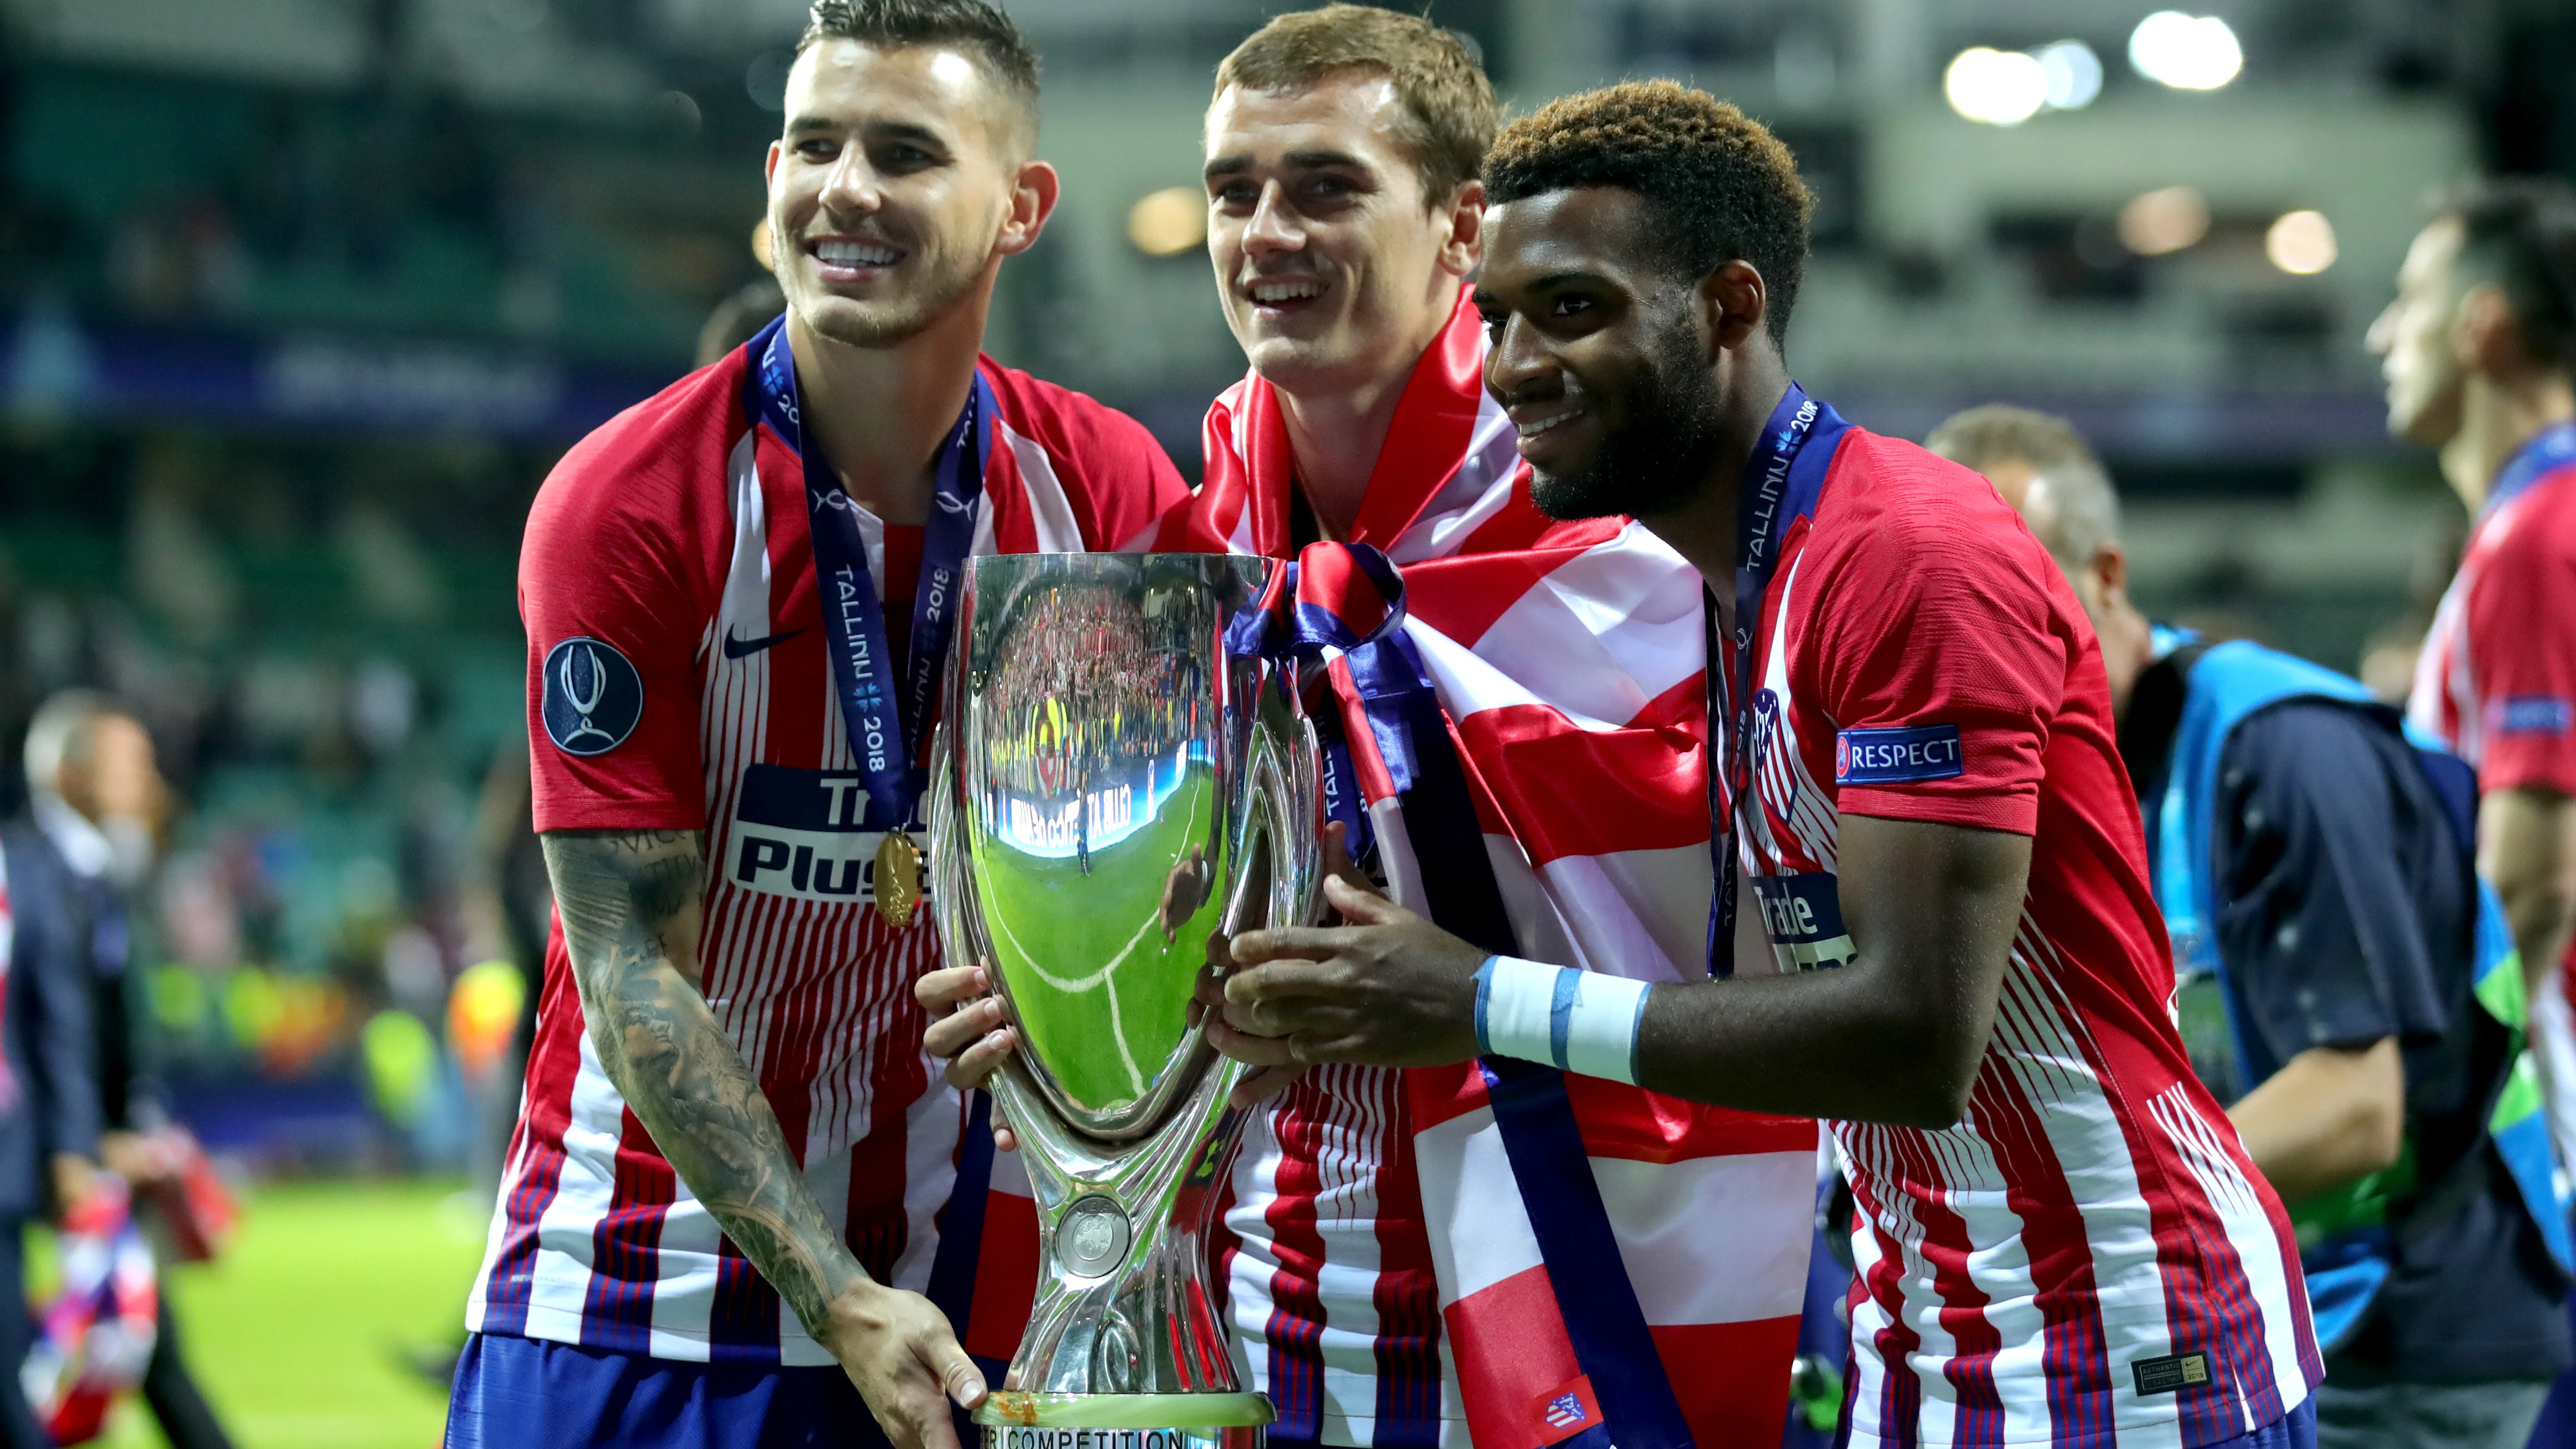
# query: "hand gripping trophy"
[[1117, 794]]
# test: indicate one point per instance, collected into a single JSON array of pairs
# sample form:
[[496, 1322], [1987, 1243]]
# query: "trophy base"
[[1014, 1420]]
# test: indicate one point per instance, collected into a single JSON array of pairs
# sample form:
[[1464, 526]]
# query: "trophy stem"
[[1122, 1307]]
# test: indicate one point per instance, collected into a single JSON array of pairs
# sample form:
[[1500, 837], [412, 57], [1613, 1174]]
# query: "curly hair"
[[1718, 185], [1447, 105], [982, 30]]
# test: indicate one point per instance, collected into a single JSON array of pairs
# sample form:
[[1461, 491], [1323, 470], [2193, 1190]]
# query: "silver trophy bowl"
[[1114, 795]]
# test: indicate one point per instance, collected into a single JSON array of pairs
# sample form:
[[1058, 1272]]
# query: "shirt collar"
[[83, 846], [2552, 448]]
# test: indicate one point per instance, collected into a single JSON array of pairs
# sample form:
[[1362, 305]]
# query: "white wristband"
[[1578, 1021]]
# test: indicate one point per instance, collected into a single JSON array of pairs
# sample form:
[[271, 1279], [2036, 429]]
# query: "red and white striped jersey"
[[1381, 1273], [2089, 1256], [670, 549], [2496, 681]]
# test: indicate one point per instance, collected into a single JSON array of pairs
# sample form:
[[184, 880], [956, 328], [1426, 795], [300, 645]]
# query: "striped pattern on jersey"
[[2093, 1212], [2452, 698], [596, 1241], [1375, 1251], [2460, 704]]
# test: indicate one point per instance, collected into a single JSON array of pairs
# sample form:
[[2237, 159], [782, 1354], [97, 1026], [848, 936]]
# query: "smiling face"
[[891, 193], [2416, 339], [1331, 263], [1598, 354]]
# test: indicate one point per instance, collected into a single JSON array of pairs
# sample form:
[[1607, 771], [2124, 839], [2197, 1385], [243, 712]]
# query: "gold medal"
[[898, 878]]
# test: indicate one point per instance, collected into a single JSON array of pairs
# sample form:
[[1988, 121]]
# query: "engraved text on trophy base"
[[1015, 1437]]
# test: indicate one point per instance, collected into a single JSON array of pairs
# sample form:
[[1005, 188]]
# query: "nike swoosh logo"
[[736, 648]]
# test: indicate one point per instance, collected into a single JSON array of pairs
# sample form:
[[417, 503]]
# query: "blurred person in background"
[[49, 1116], [2478, 351], [738, 317], [509, 907], [738, 1207], [2389, 657], [2317, 872], [99, 802], [1345, 213]]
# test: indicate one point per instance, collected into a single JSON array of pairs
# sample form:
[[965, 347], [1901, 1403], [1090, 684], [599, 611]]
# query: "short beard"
[[881, 325], [1656, 462]]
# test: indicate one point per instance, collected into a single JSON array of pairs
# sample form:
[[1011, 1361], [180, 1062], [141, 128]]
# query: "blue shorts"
[[527, 1393]]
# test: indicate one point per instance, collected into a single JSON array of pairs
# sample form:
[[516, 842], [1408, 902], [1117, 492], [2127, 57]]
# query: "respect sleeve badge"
[[2530, 714], [1904, 756]]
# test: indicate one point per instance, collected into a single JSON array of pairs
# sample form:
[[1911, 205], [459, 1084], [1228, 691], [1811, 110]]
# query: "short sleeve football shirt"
[[677, 680], [2089, 1249]]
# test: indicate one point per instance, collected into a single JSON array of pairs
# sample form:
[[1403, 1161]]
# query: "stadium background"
[[299, 299]]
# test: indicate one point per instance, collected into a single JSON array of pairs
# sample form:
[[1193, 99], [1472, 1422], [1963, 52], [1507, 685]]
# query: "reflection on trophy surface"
[[1117, 794]]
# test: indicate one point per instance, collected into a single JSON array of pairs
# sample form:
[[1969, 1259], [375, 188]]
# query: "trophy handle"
[[1281, 838]]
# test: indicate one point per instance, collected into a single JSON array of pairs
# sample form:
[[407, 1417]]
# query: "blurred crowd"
[[1112, 688], [396, 204]]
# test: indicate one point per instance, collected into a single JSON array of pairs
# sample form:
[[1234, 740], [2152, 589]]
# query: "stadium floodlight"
[[2187, 52], [1168, 222], [2163, 221], [2073, 73], [2301, 243], [1995, 87]]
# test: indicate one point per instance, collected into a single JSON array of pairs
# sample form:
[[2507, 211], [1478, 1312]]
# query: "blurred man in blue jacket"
[[48, 1099], [2362, 997], [97, 797]]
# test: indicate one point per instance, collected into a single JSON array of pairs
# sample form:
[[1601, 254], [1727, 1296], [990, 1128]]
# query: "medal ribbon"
[[1343, 604], [889, 733], [1337, 611], [2553, 449], [1782, 483], [888, 724]]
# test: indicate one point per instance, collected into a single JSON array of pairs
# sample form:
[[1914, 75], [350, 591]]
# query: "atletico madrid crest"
[[1566, 1410]]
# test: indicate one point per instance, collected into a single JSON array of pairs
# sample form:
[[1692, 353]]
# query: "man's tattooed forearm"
[[629, 904], [621, 890]]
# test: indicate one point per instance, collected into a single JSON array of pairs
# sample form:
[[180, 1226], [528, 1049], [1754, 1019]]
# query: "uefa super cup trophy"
[[1116, 793]]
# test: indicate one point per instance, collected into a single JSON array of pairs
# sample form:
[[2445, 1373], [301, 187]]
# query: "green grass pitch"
[[1102, 1037], [295, 1333]]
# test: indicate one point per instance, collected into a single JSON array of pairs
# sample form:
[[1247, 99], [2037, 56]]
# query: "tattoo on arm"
[[630, 904]]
